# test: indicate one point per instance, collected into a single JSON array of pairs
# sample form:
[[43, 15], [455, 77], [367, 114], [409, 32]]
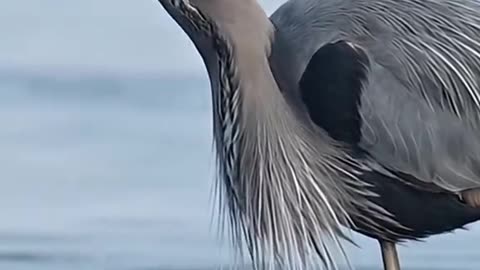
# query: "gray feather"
[[420, 106], [401, 131]]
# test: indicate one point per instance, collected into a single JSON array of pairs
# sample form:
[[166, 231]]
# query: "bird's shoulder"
[[435, 57], [363, 105], [395, 78]]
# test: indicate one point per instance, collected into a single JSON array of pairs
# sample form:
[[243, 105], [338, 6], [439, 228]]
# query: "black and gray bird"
[[333, 114]]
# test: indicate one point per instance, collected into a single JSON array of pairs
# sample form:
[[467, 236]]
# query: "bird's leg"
[[389, 255], [471, 197]]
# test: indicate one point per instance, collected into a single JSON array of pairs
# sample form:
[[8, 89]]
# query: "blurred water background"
[[105, 146]]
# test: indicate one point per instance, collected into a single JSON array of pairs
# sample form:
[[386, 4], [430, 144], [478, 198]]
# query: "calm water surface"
[[116, 173]]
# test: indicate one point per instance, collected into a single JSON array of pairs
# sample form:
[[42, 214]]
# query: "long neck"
[[279, 177]]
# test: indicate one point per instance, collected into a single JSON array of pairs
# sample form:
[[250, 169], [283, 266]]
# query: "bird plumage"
[[305, 146], [332, 88], [420, 111], [411, 115], [259, 141]]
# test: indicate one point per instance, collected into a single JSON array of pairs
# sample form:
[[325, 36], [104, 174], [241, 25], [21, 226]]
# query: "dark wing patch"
[[331, 90], [421, 212]]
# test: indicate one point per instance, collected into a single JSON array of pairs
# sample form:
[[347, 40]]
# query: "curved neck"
[[271, 162]]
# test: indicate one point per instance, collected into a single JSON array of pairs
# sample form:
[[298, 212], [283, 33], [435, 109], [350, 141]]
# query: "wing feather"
[[403, 133], [420, 105]]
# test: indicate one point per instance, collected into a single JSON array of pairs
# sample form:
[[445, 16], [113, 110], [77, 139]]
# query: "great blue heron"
[[362, 114]]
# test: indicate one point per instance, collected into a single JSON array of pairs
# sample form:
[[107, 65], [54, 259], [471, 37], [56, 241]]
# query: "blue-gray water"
[[116, 172]]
